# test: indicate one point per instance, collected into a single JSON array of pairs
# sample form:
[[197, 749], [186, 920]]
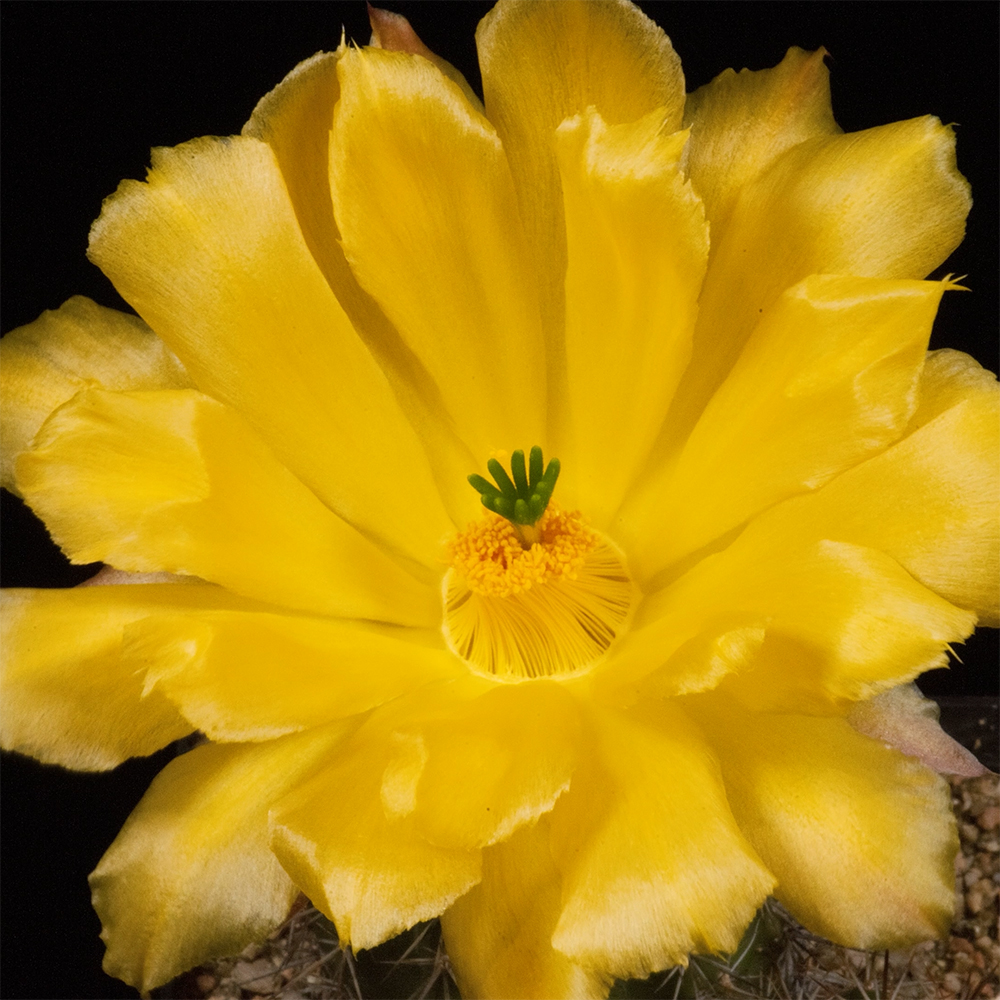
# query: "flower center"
[[551, 603]]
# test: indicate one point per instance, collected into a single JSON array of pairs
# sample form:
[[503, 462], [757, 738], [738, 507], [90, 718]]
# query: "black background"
[[88, 88]]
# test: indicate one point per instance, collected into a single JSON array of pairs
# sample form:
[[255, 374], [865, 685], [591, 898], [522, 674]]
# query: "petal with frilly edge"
[[294, 119], [741, 122], [652, 862], [190, 877], [173, 480], [209, 252], [408, 151], [888, 202], [903, 718], [80, 344], [545, 62], [254, 676], [929, 501], [393, 32], [499, 933], [69, 695], [489, 766], [730, 642], [861, 838], [951, 377], [796, 409], [637, 246], [841, 621], [348, 837]]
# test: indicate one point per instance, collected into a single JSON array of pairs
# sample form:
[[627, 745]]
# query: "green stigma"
[[523, 498]]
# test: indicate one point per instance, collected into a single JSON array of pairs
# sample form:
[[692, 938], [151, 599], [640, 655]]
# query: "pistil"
[[522, 496]]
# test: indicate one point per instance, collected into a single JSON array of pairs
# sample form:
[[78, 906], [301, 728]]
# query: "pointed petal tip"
[[393, 32], [903, 719]]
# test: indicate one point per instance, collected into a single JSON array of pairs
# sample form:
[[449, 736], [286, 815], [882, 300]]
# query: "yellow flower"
[[593, 740]]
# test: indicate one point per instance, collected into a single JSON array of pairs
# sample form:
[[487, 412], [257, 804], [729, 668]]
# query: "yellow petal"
[[545, 62], [494, 764], [190, 876], [891, 197], [423, 197], [931, 500], [949, 378], [392, 31], [888, 202], [828, 377], [295, 120], [69, 696], [741, 122], [252, 676], [173, 480], [652, 862], [842, 622], [861, 838], [725, 647], [903, 718], [360, 862], [209, 253], [80, 344], [638, 245], [498, 934]]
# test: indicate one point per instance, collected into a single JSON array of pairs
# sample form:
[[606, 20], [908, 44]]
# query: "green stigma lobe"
[[523, 498]]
